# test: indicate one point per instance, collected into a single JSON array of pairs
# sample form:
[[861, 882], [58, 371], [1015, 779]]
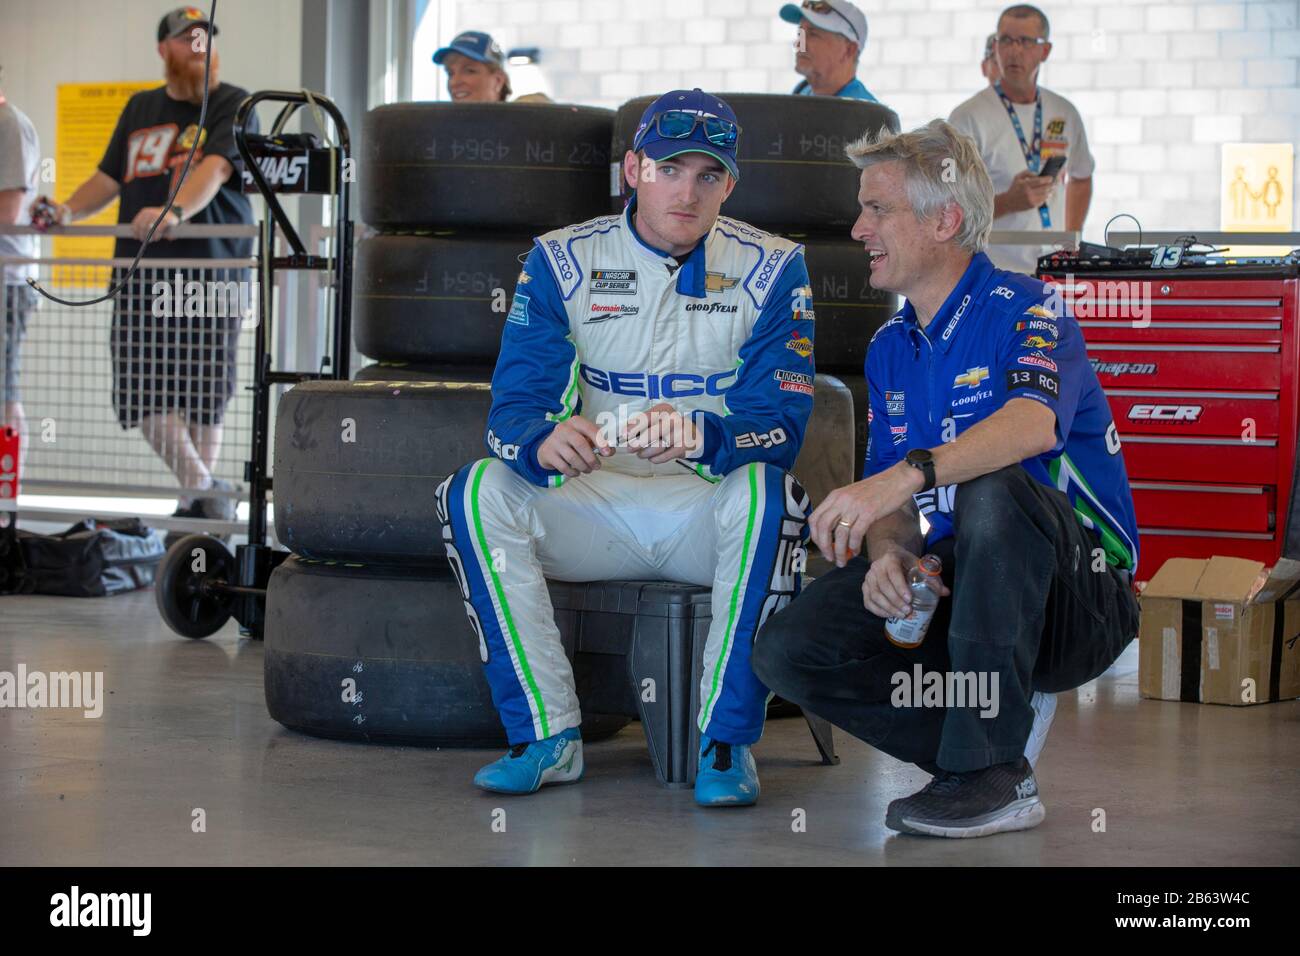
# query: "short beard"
[[186, 76]]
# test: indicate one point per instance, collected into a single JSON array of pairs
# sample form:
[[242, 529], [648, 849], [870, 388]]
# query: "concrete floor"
[[185, 727]]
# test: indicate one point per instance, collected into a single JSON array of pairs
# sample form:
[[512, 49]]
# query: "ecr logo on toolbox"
[[1164, 413]]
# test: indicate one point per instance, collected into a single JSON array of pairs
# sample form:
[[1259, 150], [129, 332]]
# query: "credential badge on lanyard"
[[1033, 154]]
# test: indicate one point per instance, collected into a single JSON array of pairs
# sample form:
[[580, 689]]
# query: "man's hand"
[[662, 434], [144, 219], [572, 447], [885, 591], [839, 523], [1028, 191], [45, 212]]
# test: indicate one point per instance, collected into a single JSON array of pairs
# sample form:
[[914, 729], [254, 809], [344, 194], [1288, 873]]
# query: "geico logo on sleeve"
[[761, 439], [504, 452], [652, 385]]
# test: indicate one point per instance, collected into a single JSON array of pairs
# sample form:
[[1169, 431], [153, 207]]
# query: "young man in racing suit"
[[654, 382]]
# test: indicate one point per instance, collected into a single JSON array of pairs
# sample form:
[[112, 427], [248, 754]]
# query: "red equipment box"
[[8, 462], [1201, 365]]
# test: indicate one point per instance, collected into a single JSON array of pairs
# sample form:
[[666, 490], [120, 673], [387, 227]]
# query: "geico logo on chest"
[[653, 385]]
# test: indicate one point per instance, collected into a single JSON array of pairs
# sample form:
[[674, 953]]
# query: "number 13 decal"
[[147, 151]]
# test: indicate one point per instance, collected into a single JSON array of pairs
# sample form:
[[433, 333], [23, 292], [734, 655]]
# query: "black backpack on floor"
[[90, 559]]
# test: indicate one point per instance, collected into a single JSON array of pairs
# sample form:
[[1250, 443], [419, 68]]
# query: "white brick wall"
[[1161, 85]]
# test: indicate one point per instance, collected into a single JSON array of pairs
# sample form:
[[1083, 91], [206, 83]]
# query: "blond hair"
[[940, 166]]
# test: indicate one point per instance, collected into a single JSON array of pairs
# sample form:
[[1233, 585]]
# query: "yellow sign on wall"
[[85, 117], [1257, 187]]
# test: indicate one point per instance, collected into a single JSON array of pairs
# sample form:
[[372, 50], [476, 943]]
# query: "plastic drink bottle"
[[923, 579]]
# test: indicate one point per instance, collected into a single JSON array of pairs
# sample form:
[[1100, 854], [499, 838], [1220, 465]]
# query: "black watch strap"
[[925, 465]]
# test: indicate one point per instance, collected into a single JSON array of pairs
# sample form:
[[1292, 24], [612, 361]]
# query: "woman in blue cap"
[[476, 69]]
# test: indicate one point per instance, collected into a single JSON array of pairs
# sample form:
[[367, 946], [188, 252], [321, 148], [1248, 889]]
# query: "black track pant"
[[1027, 608]]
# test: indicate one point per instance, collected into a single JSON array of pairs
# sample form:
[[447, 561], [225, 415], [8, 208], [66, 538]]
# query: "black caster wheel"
[[185, 597]]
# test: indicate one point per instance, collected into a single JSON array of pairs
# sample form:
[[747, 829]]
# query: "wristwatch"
[[922, 461]]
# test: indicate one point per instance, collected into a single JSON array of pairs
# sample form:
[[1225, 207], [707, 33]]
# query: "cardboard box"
[[1220, 631]]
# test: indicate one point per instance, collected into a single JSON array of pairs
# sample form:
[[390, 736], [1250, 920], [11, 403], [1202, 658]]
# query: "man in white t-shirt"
[[1018, 126], [20, 157]]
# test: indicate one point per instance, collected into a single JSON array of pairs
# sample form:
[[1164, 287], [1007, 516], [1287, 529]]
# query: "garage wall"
[[1160, 85]]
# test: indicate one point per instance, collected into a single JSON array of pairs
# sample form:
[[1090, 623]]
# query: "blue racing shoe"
[[728, 776], [527, 767]]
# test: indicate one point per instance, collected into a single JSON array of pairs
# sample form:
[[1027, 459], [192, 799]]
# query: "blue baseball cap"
[[475, 45], [704, 105]]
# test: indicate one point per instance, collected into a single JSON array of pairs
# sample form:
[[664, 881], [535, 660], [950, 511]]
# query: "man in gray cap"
[[832, 35]]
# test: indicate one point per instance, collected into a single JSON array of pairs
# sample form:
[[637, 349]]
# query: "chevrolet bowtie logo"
[[972, 377], [717, 282]]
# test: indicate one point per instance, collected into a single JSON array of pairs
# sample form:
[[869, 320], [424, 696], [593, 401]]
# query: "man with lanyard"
[[654, 383], [986, 417], [1018, 127], [832, 36]]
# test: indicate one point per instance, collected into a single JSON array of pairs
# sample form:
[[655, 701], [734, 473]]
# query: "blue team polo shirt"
[[1000, 335], [853, 90]]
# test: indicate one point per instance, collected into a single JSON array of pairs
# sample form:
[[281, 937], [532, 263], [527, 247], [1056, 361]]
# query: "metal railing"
[[143, 394]]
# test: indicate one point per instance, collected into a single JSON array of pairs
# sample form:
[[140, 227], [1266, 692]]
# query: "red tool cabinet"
[[1203, 383]]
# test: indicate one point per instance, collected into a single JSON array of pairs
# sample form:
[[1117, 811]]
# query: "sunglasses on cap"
[[680, 124], [822, 7]]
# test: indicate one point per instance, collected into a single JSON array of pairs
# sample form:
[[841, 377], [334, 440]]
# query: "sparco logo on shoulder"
[[769, 267], [561, 258]]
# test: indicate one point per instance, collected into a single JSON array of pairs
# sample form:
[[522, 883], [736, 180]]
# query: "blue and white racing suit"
[[603, 325]]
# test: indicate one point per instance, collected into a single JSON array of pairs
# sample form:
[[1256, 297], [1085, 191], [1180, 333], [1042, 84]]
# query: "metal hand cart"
[[199, 585]]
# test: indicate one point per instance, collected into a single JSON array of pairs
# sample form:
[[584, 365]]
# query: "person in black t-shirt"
[[174, 371]]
